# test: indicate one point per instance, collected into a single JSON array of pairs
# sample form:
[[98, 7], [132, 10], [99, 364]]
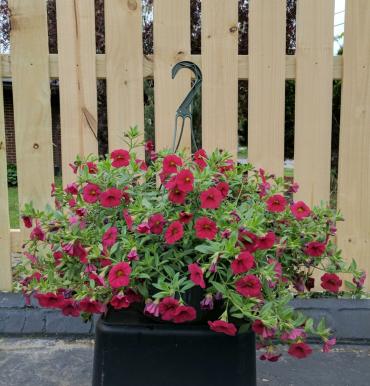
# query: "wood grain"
[[77, 80], [124, 66], [220, 75], [171, 45], [354, 154], [266, 96], [313, 102]]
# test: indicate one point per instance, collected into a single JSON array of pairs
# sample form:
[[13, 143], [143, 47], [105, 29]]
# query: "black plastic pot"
[[131, 350]]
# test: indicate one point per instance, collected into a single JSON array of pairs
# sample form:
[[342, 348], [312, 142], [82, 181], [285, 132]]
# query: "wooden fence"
[[77, 66]]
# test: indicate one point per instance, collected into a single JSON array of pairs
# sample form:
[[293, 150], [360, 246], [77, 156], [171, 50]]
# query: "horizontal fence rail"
[[149, 60], [30, 67]]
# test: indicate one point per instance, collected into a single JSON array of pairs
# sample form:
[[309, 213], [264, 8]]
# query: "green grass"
[[13, 203], [13, 207]]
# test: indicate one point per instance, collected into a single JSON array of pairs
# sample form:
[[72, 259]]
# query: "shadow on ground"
[[58, 362]]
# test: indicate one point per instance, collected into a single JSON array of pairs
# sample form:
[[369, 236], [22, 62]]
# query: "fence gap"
[[290, 93], [243, 120], [5, 257]]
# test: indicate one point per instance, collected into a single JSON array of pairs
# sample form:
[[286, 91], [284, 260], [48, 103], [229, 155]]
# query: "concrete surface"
[[57, 362]]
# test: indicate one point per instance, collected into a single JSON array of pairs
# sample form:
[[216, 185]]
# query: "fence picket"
[[267, 21], [77, 80], [354, 155], [31, 99], [220, 75], [313, 103], [5, 256], [124, 59], [171, 45]]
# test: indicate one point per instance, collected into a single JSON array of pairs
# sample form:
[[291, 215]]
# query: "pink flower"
[[223, 187], [142, 164], [128, 219], [226, 234], [229, 165], [249, 286], [331, 282], [156, 223], [328, 344], [248, 240], [185, 217], [270, 356], [71, 188], [171, 163], [72, 203], [293, 188], [207, 303], [199, 158], [74, 168], [223, 327], [315, 248], [260, 329], [99, 280], [92, 167], [267, 241], [119, 275], [174, 232], [50, 300], [360, 281], [177, 196], [120, 158], [143, 228], [149, 146], [300, 210], [27, 221], [37, 233], [76, 250], [293, 334], [119, 301], [299, 350], [167, 308], [205, 228], [184, 314], [152, 308], [111, 198], [276, 203], [185, 181], [91, 193], [211, 198], [110, 237], [196, 275], [132, 255], [243, 263], [92, 306], [70, 308]]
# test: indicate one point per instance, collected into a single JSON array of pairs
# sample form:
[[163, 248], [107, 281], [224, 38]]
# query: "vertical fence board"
[[354, 156], [124, 57], [220, 75], [31, 100], [267, 24], [313, 102], [171, 45], [77, 80], [5, 257]]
